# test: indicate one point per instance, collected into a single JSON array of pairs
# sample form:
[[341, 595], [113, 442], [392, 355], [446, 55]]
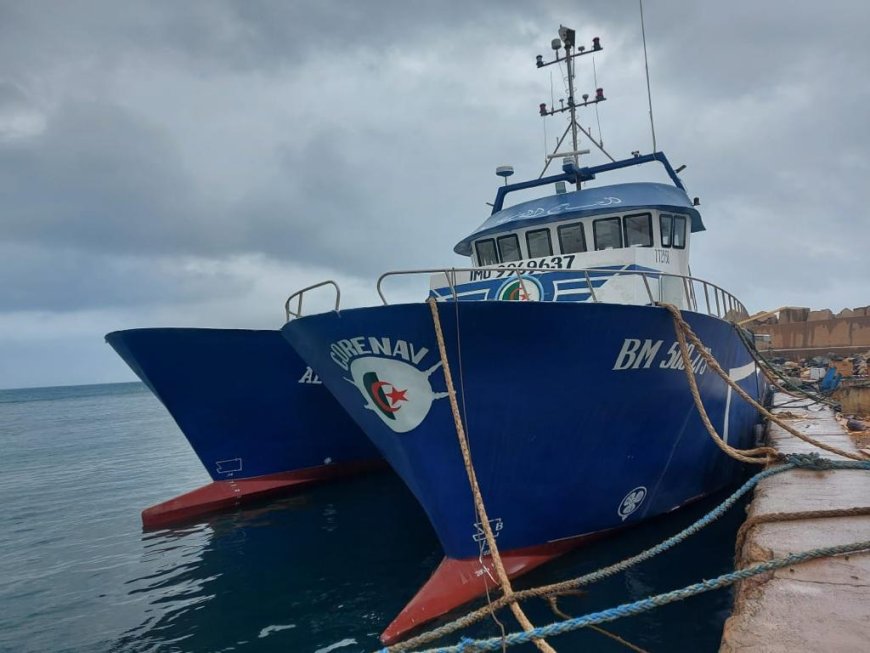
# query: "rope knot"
[[809, 461]]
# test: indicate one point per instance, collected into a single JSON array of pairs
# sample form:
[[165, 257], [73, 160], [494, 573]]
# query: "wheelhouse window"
[[638, 230], [486, 254], [666, 225], [679, 240], [539, 243], [509, 248], [608, 233], [572, 239]]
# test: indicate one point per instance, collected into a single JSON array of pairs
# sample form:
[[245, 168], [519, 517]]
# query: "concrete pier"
[[820, 605]]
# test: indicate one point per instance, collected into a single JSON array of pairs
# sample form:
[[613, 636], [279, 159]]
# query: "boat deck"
[[824, 604]]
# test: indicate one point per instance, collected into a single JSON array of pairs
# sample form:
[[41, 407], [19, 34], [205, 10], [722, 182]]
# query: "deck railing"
[[299, 294], [716, 300]]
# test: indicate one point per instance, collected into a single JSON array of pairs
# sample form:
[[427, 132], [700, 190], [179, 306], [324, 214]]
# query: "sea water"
[[323, 570]]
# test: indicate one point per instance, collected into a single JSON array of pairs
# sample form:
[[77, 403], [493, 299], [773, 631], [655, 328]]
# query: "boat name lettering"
[[545, 263], [343, 351], [637, 354], [310, 377]]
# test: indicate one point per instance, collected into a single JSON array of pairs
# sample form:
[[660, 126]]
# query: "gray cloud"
[[96, 177], [146, 148]]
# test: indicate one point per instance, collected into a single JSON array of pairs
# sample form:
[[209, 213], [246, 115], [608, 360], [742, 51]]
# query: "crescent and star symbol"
[[395, 396]]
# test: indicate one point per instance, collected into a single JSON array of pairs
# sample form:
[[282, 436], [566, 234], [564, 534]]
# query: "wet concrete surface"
[[820, 605]]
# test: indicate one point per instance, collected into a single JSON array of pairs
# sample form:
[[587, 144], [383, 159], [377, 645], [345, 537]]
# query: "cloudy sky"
[[190, 163]]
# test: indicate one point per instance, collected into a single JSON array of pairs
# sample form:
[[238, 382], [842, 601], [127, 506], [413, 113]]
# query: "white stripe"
[[727, 415], [740, 373], [735, 374]]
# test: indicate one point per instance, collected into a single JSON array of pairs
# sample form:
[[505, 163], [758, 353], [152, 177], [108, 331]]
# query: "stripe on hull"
[[224, 495]]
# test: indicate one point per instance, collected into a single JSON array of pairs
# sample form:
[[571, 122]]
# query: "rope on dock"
[[791, 461], [772, 517], [644, 605], [479, 506], [684, 331]]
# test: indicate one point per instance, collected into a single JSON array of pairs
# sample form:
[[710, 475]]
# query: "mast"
[[569, 65], [567, 41]]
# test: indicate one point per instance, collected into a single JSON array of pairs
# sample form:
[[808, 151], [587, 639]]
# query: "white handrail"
[[729, 303], [300, 293]]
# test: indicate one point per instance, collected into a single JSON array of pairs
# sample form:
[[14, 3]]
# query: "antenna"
[[567, 40], [646, 65]]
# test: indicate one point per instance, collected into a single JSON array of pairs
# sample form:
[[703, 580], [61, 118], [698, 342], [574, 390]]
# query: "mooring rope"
[[758, 456], [503, 578], [779, 379], [810, 461], [644, 605], [553, 601], [683, 331], [772, 517]]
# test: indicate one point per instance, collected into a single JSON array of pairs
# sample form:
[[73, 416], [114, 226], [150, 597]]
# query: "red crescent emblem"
[[377, 385]]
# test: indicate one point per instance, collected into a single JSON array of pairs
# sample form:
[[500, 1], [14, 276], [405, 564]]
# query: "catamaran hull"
[[579, 420], [254, 413]]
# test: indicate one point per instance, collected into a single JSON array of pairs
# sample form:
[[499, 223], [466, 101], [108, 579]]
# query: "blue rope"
[[630, 609], [811, 461]]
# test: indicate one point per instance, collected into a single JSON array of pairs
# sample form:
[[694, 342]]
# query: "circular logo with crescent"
[[397, 392], [523, 289], [631, 502]]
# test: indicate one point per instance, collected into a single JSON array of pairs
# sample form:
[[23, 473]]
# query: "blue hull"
[[579, 416], [244, 400]]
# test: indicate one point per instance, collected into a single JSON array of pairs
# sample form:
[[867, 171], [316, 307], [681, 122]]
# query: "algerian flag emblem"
[[388, 403], [523, 288], [394, 390]]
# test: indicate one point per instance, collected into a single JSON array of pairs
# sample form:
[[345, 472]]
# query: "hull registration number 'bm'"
[[637, 354]]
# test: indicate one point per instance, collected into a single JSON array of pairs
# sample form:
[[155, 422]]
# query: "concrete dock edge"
[[821, 605]]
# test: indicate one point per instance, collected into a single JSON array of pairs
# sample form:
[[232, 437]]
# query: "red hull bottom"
[[231, 493], [456, 582]]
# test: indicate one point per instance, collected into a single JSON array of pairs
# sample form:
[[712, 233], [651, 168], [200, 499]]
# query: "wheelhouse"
[[651, 228], [623, 243], [600, 226]]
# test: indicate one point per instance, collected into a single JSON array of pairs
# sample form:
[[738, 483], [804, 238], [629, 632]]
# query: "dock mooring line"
[[684, 331], [467, 645], [790, 461]]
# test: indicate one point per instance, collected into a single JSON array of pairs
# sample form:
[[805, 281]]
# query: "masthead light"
[[543, 109], [599, 93], [596, 43], [539, 61]]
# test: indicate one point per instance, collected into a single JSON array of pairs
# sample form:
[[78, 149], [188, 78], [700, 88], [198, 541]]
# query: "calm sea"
[[324, 570]]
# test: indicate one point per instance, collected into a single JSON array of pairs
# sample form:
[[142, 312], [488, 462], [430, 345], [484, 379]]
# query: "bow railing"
[[699, 295]]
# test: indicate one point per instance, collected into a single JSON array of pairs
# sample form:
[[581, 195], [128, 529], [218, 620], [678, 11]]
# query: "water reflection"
[[301, 573]]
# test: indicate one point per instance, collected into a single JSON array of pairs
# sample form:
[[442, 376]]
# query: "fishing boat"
[[570, 384], [256, 415]]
